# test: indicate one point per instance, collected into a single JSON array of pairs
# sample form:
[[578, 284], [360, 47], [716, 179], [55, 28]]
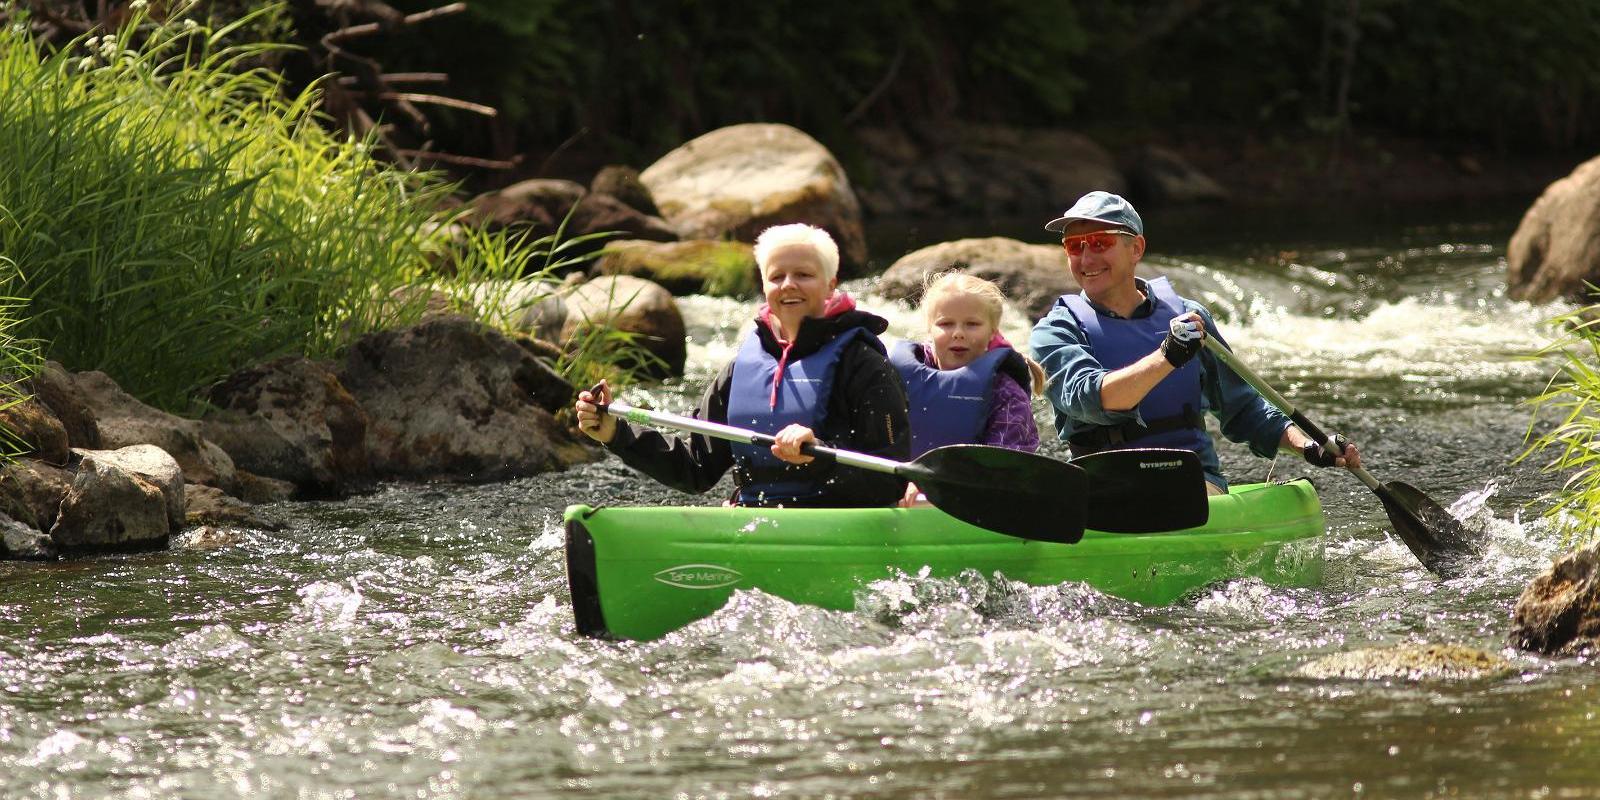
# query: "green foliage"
[[1519, 75], [641, 78], [1573, 445], [168, 215], [635, 79], [19, 361]]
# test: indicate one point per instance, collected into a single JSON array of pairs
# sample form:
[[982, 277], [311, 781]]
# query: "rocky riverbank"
[[446, 399]]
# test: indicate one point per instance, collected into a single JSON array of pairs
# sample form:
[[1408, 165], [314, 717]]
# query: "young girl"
[[968, 386]]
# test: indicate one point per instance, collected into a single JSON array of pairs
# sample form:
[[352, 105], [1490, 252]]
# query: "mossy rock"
[[699, 266], [1432, 662]]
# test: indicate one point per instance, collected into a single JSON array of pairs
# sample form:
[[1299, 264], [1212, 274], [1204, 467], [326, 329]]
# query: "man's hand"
[[1185, 337], [1316, 456]]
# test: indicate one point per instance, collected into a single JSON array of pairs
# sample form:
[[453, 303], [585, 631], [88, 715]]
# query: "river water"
[[417, 641]]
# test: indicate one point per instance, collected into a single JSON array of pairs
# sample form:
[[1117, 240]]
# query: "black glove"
[[1185, 337], [1318, 457]]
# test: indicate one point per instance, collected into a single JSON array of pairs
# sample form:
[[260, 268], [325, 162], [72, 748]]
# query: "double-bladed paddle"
[[1017, 493], [1437, 539], [1145, 490]]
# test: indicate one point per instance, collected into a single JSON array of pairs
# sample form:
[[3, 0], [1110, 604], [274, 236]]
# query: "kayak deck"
[[641, 572]]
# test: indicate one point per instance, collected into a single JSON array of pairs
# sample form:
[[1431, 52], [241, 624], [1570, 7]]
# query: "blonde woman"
[[811, 369]]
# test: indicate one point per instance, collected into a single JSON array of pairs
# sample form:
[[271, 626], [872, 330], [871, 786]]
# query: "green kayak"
[[639, 573]]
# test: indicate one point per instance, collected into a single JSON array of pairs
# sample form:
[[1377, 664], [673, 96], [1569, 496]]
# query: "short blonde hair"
[[958, 283], [799, 233], [945, 284]]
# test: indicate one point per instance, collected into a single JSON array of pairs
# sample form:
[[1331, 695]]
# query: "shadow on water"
[[418, 641]]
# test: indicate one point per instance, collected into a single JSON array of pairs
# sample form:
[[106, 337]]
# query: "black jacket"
[[866, 414]]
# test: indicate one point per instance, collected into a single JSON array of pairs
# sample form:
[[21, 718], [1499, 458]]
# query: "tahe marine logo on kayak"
[[1160, 464], [699, 576]]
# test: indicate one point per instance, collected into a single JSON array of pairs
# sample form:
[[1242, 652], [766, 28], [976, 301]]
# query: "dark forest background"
[[575, 84], [627, 80]]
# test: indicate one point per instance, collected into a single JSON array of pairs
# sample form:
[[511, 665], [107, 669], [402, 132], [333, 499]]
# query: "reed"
[[19, 361], [1572, 446]]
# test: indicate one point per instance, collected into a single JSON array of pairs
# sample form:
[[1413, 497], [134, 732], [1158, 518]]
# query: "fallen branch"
[[436, 100], [369, 28], [464, 161]]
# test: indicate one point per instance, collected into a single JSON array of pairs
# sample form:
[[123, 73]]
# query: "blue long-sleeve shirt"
[[1075, 375]]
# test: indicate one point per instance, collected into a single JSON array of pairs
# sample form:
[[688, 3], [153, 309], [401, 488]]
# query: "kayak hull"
[[639, 573]]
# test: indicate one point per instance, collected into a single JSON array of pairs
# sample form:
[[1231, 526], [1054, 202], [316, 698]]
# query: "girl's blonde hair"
[[947, 284], [801, 234]]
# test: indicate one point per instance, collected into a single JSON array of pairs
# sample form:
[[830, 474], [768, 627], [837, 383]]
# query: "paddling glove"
[[1185, 337], [1318, 457]]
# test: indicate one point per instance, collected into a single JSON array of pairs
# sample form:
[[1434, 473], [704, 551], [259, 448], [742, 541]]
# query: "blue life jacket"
[[948, 406], [802, 397], [1172, 410]]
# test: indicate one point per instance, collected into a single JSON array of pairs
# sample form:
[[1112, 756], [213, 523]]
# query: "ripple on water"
[[418, 640]]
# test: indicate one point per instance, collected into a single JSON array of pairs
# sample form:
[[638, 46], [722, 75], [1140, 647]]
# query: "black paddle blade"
[[1437, 539], [1145, 490], [1006, 491]]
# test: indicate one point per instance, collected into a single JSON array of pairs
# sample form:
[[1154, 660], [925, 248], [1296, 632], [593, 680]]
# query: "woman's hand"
[[595, 425], [790, 440]]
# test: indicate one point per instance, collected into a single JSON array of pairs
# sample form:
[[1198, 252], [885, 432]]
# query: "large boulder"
[[52, 386], [540, 202], [152, 465], [1030, 275], [1161, 176], [209, 507], [111, 508], [1559, 612], [292, 420], [623, 183], [36, 431], [453, 398], [1408, 662], [1555, 251], [532, 305], [124, 421], [602, 213], [699, 266], [31, 491], [546, 205], [633, 306], [24, 543], [738, 181]]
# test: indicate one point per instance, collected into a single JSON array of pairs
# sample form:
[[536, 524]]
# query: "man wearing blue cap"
[[1120, 356]]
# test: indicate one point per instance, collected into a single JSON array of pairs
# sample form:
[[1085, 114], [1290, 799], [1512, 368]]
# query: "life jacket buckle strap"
[[1099, 438]]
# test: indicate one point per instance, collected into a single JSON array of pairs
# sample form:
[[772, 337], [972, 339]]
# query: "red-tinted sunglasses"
[[1098, 242]]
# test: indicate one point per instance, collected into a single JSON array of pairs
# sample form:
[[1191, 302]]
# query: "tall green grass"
[[1572, 446], [172, 216], [19, 361]]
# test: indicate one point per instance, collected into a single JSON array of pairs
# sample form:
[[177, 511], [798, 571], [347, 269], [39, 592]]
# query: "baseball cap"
[[1100, 207]]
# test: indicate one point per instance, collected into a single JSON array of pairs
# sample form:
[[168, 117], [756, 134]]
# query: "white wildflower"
[[94, 41], [138, 5], [190, 24], [86, 63]]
